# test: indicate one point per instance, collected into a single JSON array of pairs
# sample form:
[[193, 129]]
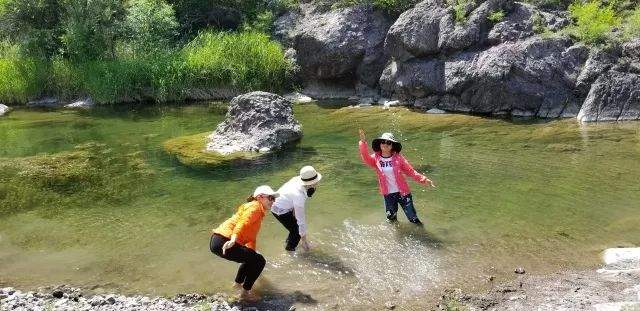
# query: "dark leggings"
[[288, 220], [251, 263]]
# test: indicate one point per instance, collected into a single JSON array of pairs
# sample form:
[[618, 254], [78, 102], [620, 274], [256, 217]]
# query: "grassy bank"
[[241, 61]]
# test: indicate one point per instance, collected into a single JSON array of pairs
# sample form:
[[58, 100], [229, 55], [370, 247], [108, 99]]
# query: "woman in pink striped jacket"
[[390, 166]]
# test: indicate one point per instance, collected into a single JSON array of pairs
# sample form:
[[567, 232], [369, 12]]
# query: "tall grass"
[[20, 79], [240, 61], [244, 61]]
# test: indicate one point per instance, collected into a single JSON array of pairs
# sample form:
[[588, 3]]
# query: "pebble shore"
[[69, 298]]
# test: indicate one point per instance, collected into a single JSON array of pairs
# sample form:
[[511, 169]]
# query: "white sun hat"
[[265, 190], [309, 176]]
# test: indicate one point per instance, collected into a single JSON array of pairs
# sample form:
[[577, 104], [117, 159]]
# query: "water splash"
[[367, 263]]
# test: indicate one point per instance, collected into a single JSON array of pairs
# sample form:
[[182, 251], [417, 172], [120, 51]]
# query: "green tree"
[[150, 25], [91, 28], [33, 24]]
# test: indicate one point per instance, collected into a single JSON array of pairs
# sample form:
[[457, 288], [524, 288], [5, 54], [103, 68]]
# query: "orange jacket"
[[245, 224]]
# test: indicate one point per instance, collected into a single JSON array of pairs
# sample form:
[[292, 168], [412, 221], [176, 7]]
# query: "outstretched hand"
[[428, 182], [362, 137]]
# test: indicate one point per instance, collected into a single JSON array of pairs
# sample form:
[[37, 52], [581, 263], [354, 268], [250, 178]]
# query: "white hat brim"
[[311, 182]]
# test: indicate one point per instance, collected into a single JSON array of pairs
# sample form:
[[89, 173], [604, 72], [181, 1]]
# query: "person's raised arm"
[[364, 150]]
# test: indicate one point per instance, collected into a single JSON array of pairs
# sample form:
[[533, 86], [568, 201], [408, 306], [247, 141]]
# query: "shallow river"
[[546, 195]]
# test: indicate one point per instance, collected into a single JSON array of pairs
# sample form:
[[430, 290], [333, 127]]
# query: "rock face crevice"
[[427, 59], [255, 122]]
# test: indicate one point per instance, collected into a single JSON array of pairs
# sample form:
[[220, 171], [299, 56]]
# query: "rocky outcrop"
[[434, 59], [4, 110], [256, 121], [525, 78], [342, 46], [615, 96]]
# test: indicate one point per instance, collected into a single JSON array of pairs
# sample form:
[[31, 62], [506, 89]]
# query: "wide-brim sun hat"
[[265, 190], [309, 176], [396, 146]]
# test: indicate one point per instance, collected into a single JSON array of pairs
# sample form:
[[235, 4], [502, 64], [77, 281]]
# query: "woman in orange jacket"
[[235, 239]]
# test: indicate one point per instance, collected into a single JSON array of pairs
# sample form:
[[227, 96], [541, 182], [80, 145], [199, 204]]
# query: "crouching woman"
[[235, 239]]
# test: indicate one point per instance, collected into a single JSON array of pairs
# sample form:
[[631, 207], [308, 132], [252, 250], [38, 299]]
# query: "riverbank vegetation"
[[134, 50]]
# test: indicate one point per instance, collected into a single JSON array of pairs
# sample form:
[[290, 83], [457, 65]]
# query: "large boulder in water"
[[4, 110], [256, 121]]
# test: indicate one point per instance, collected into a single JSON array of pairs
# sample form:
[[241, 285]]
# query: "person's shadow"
[[275, 299], [416, 232]]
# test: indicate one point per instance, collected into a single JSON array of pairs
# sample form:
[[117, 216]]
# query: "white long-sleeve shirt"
[[292, 197]]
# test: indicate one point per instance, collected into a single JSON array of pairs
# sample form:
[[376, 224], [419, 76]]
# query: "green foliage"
[[632, 24], [154, 78], [496, 17], [150, 25], [91, 28], [33, 24], [592, 21], [89, 173], [460, 9], [539, 23], [20, 79], [244, 61], [197, 15], [262, 23], [392, 7]]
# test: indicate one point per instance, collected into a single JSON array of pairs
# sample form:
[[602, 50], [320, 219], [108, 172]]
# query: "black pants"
[[288, 220], [251, 263]]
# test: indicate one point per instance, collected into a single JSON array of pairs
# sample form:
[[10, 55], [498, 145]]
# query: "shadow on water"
[[276, 299], [416, 233], [326, 261]]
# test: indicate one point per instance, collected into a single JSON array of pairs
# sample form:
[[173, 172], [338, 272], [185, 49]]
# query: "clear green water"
[[545, 195]]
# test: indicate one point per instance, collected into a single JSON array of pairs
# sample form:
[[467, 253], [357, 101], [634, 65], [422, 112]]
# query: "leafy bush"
[[34, 25], [496, 17], [91, 28], [150, 25], [592, 21]]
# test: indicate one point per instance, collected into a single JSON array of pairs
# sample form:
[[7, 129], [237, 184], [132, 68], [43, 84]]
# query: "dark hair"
[[251, 198]]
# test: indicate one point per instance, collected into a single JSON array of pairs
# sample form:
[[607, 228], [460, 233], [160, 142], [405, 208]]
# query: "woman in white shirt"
[[289, 207]]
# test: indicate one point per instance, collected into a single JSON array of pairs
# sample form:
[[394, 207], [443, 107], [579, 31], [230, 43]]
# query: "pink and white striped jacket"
[[400, 165]]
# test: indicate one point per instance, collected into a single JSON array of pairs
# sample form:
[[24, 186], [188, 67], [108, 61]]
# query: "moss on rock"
[[190, 151]]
